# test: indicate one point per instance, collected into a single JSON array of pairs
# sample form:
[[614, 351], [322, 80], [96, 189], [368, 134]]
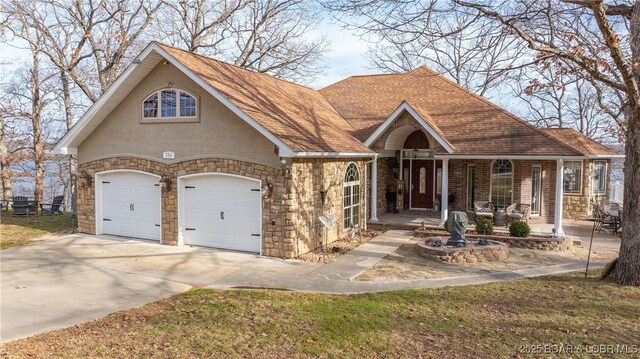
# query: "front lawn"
[[494, 320], [16, 231]]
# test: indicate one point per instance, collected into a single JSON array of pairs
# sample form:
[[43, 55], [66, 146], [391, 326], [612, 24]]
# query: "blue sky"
[[346, 56]]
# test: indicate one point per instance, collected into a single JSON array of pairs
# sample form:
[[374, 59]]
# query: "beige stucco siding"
[[218, 132]]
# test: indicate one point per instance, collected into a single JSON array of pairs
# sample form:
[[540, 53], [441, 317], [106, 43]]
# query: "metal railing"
[[617, 192]]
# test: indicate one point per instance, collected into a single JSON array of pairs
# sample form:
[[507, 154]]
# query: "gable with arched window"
[[502, 183], [351, 196], [170, 103]]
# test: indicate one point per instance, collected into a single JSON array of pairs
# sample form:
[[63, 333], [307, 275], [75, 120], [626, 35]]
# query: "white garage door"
[[130, 205], [223, 212]]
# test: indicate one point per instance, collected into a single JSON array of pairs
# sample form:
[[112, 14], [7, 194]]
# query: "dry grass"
[[17, 231], [488, 321], [339, 247]]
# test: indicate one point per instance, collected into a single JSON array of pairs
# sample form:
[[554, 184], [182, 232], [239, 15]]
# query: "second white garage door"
[[222, 211]]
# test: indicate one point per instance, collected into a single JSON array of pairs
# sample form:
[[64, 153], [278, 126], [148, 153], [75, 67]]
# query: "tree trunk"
[[73, 162], [38, 146], [627, 270], [5, 164]]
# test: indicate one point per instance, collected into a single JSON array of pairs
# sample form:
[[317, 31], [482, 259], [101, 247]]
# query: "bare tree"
[[5, 160], [91, 41], [548, 98], [88, 42], [469, 49], [268, 36], [597, 40]]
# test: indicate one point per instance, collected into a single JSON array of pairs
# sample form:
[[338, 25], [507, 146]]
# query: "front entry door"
[[422, 184]]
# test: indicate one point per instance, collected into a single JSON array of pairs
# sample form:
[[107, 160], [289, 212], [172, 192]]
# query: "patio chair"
[[483, 209], [21, 206], [517, 212], [604, 220], [54, 208]]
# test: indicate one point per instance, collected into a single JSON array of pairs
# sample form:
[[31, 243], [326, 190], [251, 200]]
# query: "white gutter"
[[333, 154], [508, 157], [523, 157]]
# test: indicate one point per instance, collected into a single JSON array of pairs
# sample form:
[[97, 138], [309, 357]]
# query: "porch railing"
[[617, 193]]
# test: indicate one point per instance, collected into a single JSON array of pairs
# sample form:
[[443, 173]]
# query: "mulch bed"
[[338, 248]]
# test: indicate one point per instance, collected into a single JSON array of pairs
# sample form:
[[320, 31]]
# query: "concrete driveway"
[[76, 278]]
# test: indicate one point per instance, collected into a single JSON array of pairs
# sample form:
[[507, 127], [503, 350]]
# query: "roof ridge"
[[236, 66], [370, 75], [508, 113]]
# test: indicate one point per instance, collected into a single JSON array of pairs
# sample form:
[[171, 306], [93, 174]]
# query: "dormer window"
[[169, 103]]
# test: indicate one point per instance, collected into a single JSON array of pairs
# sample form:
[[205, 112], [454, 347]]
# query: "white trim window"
[[599, 178], [536, 190], [471, 186], [351, 197], [573, 177], [501, 183], [169, 103]]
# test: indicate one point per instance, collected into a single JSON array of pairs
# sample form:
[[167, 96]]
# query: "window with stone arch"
[[351, 196], [502, 183]]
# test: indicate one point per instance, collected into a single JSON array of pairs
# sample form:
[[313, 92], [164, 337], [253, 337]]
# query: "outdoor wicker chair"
[[517, 212], [483, 209]]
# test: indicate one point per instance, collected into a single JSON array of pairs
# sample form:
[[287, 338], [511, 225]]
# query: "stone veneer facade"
[[290, 222], [578, 206]]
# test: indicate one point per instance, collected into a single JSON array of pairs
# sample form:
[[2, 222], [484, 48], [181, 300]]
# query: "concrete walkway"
[[60, 282], [76, 278], [337, 277]]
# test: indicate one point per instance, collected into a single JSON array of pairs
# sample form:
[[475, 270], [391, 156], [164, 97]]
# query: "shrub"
[[519, 229], [446, 224], [484, 226]]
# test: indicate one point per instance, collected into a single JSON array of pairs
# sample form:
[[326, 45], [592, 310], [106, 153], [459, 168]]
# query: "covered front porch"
[[417, 179], [413, 220]]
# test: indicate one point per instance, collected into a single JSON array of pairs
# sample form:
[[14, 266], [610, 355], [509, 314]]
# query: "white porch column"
[[559, 193], [374, 189], [445, 191]]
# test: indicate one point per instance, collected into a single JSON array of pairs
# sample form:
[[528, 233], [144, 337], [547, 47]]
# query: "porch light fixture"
[[85, 179], [165, 183], [267, 189], [276, 150], [323, 195], [415, 153]]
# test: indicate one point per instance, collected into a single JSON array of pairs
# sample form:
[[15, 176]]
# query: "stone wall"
[[471, 254], [578, 206], [290, 222], [305, 232]]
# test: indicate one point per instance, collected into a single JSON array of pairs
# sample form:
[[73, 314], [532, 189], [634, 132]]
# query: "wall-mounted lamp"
[[84, 179], [267, 189], [165, 183], [276, 150], [415, 153], [323, 195]]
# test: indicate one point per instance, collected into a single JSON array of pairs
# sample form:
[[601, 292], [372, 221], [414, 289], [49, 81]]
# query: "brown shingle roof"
[[472, 124], [579, 142], [299, 116]]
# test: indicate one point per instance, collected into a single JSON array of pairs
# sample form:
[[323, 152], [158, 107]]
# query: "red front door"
[[422, 184]]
